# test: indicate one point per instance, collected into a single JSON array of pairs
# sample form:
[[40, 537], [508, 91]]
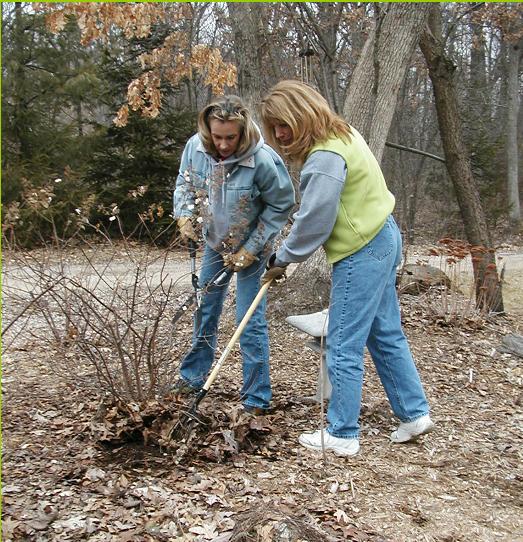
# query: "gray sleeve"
[[321, 183]]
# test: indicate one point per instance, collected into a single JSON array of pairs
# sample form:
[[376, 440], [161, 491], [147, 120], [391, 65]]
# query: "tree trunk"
[[322, 24], [512, 132], [307, 288], [441, 71], [378, 77], [372, 98], [478, 94], [247, 26], [19, 83]]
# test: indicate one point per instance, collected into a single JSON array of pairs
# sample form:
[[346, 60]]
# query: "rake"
[[189, 418]]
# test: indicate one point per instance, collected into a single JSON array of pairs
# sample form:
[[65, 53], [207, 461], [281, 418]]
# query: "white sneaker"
[[412, 430], [340, 446]]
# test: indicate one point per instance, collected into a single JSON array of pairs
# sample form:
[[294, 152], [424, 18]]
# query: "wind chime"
[[306, 55]]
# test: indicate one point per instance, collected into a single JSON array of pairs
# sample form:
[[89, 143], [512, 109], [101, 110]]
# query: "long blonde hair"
[[307, 114], [228, 108]]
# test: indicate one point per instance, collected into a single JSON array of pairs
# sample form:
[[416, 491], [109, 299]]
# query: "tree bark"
[[442, 71], [307, 288], [477, 86], [247, 25], [322, 24], [20, 108], [512, 132], [378, 77]]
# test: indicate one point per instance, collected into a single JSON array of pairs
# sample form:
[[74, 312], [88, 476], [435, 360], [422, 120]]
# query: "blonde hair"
[[228, 108], [307, 114]]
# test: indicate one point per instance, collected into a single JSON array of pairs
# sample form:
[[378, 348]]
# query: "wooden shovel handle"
[[236, 336]]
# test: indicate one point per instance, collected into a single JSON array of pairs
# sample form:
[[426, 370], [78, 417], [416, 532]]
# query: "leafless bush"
[[103, 311], [456, 302]]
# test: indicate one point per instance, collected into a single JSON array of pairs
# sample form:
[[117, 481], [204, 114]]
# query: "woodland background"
[[65, 161], [98, 101]]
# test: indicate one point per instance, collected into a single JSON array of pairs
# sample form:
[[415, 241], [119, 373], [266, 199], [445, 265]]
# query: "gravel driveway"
[[106, 268]]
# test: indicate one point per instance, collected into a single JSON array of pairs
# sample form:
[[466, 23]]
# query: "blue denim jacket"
[[240, 201]]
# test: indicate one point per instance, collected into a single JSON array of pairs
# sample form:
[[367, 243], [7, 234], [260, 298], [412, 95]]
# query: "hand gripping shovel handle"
[[185, 421]]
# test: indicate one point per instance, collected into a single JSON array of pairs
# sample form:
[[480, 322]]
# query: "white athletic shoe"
[[412, 430], [340, 446]]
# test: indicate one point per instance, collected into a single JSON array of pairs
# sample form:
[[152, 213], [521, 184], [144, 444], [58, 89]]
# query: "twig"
[[415, 151], [30, 304]]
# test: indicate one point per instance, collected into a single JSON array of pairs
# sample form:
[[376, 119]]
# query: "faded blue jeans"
[[364, 311], [254, 341]]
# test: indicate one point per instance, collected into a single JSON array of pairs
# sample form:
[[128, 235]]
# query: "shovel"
[[183, 427]]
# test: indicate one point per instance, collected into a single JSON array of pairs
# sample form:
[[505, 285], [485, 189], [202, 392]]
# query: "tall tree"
[[45, 79], [247, 23], [378, 77], [513, 105], [442, 73], [320, 26], [503, 25], [37, 132], [413, 127]]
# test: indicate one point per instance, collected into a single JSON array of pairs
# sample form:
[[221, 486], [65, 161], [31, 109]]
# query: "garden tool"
[[189, 418], [194, 276], [196, 296]]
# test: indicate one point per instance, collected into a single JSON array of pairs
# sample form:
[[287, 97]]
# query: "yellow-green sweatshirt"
[[344, 202], [365, 201]]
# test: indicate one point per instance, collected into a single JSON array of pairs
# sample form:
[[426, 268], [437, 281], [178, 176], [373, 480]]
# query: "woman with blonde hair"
[[346, 207], [239, 190]]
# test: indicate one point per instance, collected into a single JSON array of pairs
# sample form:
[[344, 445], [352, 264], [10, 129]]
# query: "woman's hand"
[[239, 260], [275, 273], [186, 230]]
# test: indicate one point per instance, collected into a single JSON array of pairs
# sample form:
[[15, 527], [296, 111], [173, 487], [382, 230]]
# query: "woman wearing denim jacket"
[[239, 190], [346, 207]]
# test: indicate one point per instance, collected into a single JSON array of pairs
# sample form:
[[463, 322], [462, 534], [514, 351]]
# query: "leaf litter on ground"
[[75, 470]]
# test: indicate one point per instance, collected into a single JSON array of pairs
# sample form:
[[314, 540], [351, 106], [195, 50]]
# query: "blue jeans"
[[364, 310], [254, 341]]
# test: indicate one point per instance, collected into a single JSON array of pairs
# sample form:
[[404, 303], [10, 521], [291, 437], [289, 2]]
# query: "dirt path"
[[108, 266], [175, 268]]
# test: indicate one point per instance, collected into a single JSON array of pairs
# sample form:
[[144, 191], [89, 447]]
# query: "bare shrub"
[[103, 310], [456, 302]]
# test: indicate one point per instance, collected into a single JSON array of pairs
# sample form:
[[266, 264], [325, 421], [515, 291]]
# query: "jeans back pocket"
[[383, 243]]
